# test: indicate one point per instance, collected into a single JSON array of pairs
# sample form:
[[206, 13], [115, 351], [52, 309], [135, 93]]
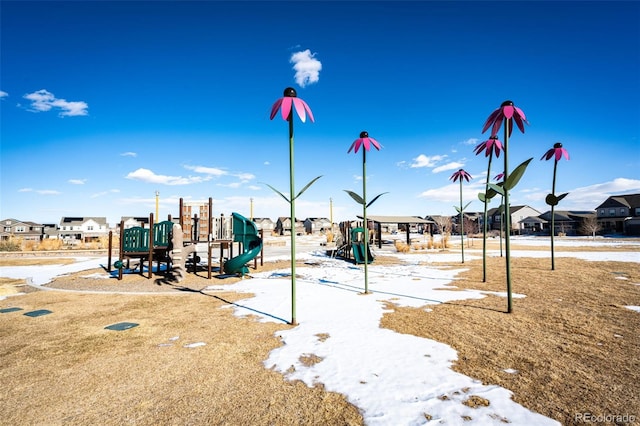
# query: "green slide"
[[246, 232], [358, 247]]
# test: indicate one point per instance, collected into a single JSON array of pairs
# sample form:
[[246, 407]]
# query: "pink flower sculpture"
[[499, 177], [289, 101], [491, 145], [552, 199], [364, 140], [459, 175], [506, 111], [558, 151]]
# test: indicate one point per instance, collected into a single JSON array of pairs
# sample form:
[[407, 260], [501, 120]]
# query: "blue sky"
[[104, 103]]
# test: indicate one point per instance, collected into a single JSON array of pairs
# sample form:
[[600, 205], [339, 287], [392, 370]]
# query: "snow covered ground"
[[392, 378]]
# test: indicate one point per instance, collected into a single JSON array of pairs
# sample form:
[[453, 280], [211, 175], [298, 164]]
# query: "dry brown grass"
[[65, 368], [573, 343]]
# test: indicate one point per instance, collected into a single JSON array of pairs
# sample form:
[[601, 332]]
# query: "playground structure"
[[351, 246], [168, 242]]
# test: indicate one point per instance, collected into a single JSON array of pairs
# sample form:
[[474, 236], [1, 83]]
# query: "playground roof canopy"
[[397, 219]]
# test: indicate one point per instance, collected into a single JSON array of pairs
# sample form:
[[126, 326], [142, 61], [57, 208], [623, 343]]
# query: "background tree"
[[590, 226]]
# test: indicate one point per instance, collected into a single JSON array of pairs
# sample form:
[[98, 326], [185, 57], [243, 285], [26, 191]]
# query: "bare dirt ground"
[[570, 346]]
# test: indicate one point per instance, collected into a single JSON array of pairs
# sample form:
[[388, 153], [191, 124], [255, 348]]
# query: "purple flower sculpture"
[[507, 114], [366, 142], [557, 152], [461, 175], [490, 147], [286, 106]]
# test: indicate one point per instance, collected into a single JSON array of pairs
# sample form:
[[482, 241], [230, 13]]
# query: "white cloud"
[[43, 100], [449, 166], [3, 94], [129, 154], [77, 181], [103, 193], [41, 191], [207, 170], [425, 161], [146, 175], [306, 66], [471, 141], [245, 177], [266, 163], [589, 197]]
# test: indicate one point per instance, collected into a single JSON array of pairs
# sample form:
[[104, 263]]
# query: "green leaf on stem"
[[553, 200], [278, 192], [307, 186], [497, 188], [358, 199], [375, 198], [517, 173]]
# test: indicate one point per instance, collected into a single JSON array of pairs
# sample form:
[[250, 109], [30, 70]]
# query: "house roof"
[[397, 219], [629, 200]]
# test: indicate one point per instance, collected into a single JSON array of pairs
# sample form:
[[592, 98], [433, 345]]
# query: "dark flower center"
[[507, 103], [290, 92], [495, 137], [557, 145], [364, 134]]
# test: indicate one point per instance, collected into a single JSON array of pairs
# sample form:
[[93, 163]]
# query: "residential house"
[[620, 214], [265, 224], [566, 222], [283, 226], [132, 221], [28, 231], [315, 225], [83, 229], [517, 213]]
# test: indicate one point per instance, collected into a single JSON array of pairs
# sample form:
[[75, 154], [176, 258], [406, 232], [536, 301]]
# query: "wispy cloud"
[[449, 166], [77, 181], [146, 175], [307, 67], [213, 171], [129, 154], [40, 191], [471, 141], [589, 197], [43, 100], [426, 161], [103, 193], [245, 177], [3, 94]]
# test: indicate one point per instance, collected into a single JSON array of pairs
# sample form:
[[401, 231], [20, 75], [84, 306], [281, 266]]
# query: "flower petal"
[[299, 106], [519, 122], [491, 119], [507, 111], [285, 109], [375, 143], [306, 107], [275, 107]]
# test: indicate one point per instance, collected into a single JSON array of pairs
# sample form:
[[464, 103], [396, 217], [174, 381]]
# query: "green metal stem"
[[364, 216], [553, 216], [507, 216], [461, 222], [293, 222], [484, 224]]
